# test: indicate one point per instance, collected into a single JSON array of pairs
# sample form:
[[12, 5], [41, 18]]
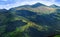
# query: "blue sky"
[[14, 3]]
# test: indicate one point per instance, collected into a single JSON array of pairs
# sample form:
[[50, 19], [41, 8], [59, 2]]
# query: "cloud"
[[4, 0], [57, 2], [7, 4]]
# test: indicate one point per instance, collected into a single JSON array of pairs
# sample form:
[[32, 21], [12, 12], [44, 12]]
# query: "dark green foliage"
[[18, 22]]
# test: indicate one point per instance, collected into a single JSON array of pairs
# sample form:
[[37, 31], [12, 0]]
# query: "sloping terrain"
[[36, 20]]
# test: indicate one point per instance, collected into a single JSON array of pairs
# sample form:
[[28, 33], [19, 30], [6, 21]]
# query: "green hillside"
[[36, 20]]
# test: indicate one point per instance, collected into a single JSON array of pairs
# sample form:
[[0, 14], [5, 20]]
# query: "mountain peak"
[[37, 5], [54, 6]]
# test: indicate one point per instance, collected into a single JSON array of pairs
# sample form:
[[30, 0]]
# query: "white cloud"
[[4, 0], [22, 2]]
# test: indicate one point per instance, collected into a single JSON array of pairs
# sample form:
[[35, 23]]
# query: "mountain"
[[37, 5], [36, 20], [32, 6], [54, 6]]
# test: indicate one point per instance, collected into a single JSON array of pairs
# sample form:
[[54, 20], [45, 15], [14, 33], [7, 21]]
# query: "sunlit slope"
[[57, 36], [30, 21], [49, 22], [39, 10], [20, 31], [43, 15]]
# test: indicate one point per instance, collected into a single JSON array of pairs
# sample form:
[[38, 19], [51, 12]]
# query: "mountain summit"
[[54, 6], [33, 5], [37, 5]]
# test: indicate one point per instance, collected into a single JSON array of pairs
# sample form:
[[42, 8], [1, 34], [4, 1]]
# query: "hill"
[[36, 20]]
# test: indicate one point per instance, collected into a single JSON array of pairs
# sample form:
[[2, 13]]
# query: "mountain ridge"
[[28, 21], [37, 5]]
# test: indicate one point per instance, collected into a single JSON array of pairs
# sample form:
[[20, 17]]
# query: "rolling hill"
[[36, 20]]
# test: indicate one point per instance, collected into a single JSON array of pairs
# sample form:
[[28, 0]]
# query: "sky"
[[7, 4]]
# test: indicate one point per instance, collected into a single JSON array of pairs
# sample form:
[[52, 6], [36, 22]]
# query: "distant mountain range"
[[36, 20], [38, 5]]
